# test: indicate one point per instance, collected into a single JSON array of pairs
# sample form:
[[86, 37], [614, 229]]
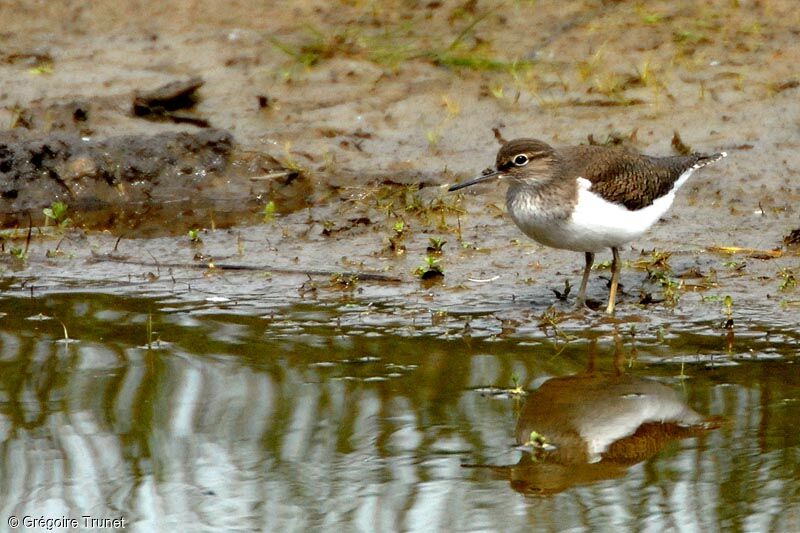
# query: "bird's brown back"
[[626, 177]]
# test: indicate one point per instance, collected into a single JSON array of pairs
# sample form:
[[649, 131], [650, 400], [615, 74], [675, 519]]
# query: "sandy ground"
[[376, 105]]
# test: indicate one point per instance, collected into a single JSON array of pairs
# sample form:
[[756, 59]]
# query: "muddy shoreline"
[[324, 139]]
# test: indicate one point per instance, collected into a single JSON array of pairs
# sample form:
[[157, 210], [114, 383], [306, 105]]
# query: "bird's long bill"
[[483, 177]]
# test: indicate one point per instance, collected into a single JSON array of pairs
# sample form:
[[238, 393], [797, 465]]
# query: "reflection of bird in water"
[[588, 427], [593, 426]]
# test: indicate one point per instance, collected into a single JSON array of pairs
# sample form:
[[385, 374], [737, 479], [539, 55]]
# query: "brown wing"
[[628, 178]]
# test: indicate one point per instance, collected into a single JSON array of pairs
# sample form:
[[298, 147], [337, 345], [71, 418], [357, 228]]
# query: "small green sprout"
[[396, 241], [602, 265], [497, 90], [268, 214], [430, 270], [733, 264], [19, 253], [789, 280], [537, 440], [194, 236], [517, 389], [57, 212], [656, 260], [328, 227], [433, 136], [435, 245], [728, 302], [670, 286], [41, 69]]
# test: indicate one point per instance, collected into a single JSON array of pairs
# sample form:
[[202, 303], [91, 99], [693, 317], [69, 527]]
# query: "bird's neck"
[[540, 198]]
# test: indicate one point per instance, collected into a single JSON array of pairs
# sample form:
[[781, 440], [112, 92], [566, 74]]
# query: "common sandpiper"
[[588, 198]]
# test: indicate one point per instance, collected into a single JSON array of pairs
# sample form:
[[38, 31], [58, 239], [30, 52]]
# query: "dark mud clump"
[[34, 172]]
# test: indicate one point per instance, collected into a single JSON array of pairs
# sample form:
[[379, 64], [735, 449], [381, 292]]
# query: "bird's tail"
[[707, 159]]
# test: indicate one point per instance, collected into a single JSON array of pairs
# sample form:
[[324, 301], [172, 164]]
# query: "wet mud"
[[329, 138], [127, 169]]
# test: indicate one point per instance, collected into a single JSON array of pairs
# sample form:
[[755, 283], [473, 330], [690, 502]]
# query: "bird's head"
[[524, 160]]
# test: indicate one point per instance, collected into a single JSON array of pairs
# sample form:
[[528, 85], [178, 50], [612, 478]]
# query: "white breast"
[[595, 224]]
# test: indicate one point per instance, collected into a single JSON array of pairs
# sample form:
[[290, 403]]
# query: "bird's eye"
[[521, 160]]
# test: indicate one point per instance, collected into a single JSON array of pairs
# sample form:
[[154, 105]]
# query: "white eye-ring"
[[521, 160]]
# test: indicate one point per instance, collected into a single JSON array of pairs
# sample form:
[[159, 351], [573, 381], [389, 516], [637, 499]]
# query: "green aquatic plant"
[[57, 213], [670, 286], [538, 441], [19, 253], [430, 270], [602, 265], [728, 303], [656, 259], [734, 264], [659, 270], [268, 213], [435, 245], [396, 239], [41, 69], [517, 389], [789, 281], [328, 226]]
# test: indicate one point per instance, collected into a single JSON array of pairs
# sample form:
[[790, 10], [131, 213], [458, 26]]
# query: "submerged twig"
[[361, 276]]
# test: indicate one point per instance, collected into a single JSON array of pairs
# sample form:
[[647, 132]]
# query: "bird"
[[588, 198]]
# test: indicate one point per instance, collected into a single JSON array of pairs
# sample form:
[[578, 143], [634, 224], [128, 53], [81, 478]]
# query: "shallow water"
[[237, 421], [168, 413]]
